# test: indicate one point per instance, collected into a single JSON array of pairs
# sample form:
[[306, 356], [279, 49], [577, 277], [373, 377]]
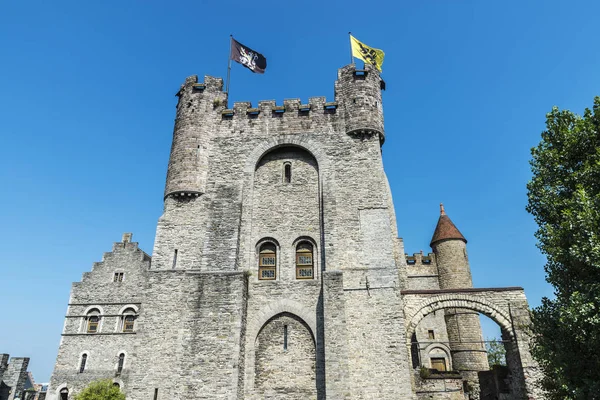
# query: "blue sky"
[[87, 106]]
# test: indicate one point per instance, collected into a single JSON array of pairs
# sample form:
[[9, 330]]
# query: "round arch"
[[279, 307], [302, 141], [442, 302]]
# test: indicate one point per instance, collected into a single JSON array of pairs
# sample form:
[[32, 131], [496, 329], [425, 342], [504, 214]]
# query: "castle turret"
[[194, 124], [358, 94], [464, 328]]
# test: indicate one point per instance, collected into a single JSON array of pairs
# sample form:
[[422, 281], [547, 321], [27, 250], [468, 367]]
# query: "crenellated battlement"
[[420, 259], [204, 114]]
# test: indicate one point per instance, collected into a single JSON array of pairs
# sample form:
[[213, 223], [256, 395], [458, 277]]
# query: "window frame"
[[120, 363], [82, 363], [436, 360], [303, 248], [93, 318], [287, 172], [267, 250]]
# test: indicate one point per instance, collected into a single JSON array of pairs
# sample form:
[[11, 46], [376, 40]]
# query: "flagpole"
[[228, 65], [351, 57]]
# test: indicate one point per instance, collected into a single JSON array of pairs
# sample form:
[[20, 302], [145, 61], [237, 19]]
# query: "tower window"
[[128, 320], [287, 173], [431, 334], [118, 277], [267, 261], [82, 364], [304, 261], [121, 362], [285, 337], [174, 258], [64, 394], [93, 320]]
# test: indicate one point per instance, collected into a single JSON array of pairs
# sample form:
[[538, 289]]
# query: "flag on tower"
[[366, 53], [249, 58]]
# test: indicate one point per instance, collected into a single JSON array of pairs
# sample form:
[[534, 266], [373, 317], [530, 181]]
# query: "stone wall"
[[13, 374], [285, 361]]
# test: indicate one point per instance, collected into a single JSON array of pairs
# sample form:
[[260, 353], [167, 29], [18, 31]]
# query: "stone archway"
[[506, 306], [285, 359]]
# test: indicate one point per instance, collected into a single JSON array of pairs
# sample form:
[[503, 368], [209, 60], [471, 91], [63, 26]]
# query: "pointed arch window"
[[304, 261], [267, 262], [93, 321]]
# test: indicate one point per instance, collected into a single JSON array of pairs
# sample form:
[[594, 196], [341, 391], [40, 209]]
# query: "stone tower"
[[277, 271], [464, 331]]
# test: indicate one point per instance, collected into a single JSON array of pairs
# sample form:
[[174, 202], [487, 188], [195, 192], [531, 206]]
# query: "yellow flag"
[[366, 53]]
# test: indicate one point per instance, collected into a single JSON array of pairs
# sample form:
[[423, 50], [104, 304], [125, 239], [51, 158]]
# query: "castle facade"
[[277, 271]]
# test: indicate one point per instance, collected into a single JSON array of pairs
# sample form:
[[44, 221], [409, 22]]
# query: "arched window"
[[64, 394], [121, 363], [267, 261], [128, 320], [116, 384], [82, 364], [304, 261], [287, 172], [93, 320]]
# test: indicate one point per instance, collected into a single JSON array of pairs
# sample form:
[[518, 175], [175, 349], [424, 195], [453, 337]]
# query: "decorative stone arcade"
[[506, 306]]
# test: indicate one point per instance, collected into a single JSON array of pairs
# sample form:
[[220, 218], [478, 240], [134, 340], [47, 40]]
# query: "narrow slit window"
[[155, 393], [287, 173], [285, 337], [174, 258], [82, 364], [431, 334], [267, 262], [304, 261], [121, 363]]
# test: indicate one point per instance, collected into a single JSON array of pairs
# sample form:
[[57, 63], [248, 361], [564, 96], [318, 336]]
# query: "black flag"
[[249, 58]]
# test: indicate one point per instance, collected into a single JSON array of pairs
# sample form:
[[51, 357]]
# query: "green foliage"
[[564, 198], [496, 353], [100, 390], [424, 372]]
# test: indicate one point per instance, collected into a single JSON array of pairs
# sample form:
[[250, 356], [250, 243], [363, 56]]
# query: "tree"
[[101, 390], [496, 353], [564, 198]]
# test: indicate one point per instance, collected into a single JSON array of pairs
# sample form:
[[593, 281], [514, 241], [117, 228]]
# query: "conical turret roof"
[[445, 229]]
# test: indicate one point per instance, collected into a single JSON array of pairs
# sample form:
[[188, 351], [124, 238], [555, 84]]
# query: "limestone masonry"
[[277, 272]]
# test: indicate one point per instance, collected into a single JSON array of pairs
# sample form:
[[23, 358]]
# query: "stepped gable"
[[445, 229]]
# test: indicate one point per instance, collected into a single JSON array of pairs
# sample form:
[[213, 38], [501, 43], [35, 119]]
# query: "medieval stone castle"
[[277, 271]]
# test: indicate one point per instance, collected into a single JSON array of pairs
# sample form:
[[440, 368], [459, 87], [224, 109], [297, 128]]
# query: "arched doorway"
[[507, 307]]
